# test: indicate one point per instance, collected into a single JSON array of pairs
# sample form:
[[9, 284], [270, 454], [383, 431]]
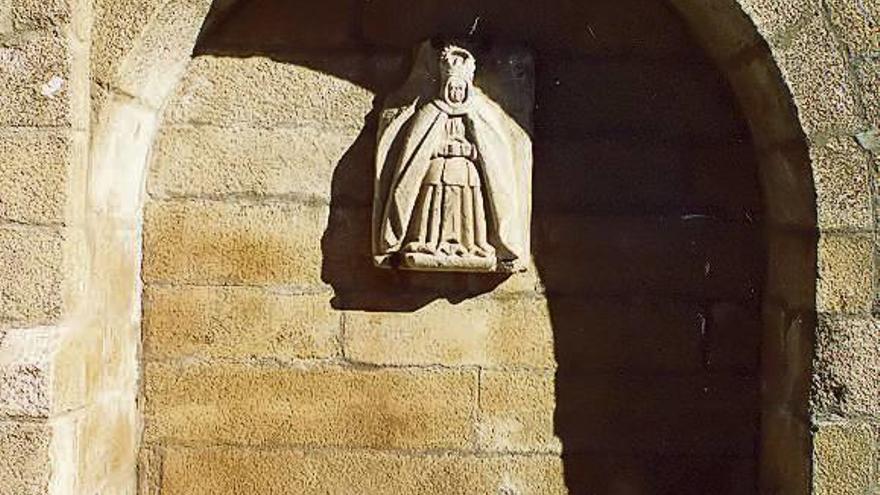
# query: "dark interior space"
[[646, 226]]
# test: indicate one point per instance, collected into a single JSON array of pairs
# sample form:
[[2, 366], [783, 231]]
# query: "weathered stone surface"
[[516, 412], [868, 71], [847, 366], [35, 74], [484, 332], [844, 284], [845, 459], [118, 25], [329, 406], [842, 174], [33, 175], [819, 80], [229, 162], [40, 14], [263, 92], [858, 23], [787, 351], [24, 448], [156, 62], [31, 275], [237, 322], [791, 268], [233, 243], [786, 448], [268, 472], [24, 373], [774, 17]]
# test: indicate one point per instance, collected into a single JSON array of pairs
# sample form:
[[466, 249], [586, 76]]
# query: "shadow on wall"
[[646, 224]]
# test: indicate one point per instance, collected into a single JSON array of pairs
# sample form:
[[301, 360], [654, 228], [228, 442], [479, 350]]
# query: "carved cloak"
[[408, 136]]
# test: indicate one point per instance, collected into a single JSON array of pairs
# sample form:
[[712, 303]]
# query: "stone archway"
[[138, 69]]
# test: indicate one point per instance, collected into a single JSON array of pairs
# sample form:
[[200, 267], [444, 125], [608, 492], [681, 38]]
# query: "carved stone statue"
[[453, 174]]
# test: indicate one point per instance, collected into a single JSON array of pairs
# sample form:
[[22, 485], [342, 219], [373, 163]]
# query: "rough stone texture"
[[33, 175], [262, 92], [516, 412], [484, 332], [117, 27], [269, 472], [39, 14], [237, 322], [845, 457], [847, 367], [318, 407], [24, 448], [230, 162], [842, 174], [31, 275], [24, 373], [820, 81], [868, 71], [858, 23], [844, 283], [223, 243], [27, 65], [774, 18]]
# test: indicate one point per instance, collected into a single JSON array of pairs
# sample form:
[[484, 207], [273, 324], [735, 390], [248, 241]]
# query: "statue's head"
[[457, 69]]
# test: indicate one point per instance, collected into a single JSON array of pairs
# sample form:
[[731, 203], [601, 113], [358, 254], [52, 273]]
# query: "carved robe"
[[409, 140]]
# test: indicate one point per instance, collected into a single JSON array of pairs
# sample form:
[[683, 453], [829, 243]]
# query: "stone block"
[[238, 323], [788, 191], [480, 332], [35, 72], [234, 162], [842, 175], [845, 459], [774, 18], [687, 255], [868, 71], [316, 407], [34, 175], [32, 15], [24, 448], [620, 413], [847, 366], [787, 349], [118, 25], [516, 412], [31, 275], [204, 242], [819, 78], [25, 373], [786, 447], [203, 471], [845, 283], [791, 268], [722, 28], [765, 101], [263, 92], [858, 23], [639, 335], [151, 63]]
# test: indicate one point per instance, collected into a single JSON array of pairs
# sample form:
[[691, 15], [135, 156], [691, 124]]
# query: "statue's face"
[[456, 90]]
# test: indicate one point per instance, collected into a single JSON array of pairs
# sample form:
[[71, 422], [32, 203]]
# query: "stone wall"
[[632, 345], [803, 72]]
